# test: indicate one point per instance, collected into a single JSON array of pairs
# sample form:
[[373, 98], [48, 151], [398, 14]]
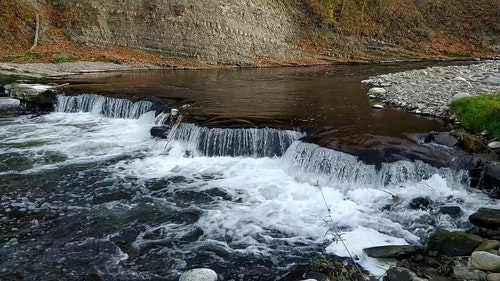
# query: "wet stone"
[[420, 203], [486, 218], [393, 251], [453, 243], [453, 211]]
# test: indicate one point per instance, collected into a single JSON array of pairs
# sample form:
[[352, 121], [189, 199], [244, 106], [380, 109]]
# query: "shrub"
[[479, 113]]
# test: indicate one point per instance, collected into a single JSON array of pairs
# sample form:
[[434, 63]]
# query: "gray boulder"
[[199, 274], [465, 273], [486, 218], [399, 274], [485, 261]]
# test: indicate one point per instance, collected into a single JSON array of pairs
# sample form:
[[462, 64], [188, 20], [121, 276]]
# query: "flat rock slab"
[[486, 218], [393, 251]]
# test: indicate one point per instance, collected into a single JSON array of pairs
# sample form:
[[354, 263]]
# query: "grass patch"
[[479, 113], [63, 60]]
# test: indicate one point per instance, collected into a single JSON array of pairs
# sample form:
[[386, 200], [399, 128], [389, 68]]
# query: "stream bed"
[[87, 194]]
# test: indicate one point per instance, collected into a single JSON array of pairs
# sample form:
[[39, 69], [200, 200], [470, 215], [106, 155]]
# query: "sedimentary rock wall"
[[215, 31]]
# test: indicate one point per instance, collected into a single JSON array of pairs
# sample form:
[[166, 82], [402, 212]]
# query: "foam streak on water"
[[107, 106]]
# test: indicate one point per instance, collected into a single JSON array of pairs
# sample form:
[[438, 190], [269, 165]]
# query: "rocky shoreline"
[[429, 91]]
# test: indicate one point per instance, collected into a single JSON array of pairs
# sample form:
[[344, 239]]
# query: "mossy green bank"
[[479, 113]]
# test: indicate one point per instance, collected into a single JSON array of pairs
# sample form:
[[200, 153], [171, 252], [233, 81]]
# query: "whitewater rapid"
[[269, 201]]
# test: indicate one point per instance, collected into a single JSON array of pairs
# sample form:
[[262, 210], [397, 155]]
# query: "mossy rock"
[[453, 244]]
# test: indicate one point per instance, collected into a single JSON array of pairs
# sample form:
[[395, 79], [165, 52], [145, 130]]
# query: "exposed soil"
[[253, 33]]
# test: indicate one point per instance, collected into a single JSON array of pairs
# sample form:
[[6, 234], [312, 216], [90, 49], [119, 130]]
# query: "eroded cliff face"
[[213, 31], [248, 32]]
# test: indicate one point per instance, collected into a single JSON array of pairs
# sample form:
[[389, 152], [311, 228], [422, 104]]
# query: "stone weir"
[[217, 137]]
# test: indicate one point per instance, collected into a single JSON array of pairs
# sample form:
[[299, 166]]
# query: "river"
[[86, 192]]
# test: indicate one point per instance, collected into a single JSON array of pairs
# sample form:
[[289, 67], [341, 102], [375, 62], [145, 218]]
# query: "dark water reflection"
[[318, 97]]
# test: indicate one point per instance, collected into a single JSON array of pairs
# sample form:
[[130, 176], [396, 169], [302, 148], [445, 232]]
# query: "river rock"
[[465, 273], [199, 274], [377, 106], [420, 203], [494, 145], [453, 211], [461, 96], [159, 131], [318, 276], [492, 80], [453, 244], [493, 277], [471, 144], [485, 261], [488, 245], [393, 251], [399, 274], [486, 218], [377, 91], [31, 92]]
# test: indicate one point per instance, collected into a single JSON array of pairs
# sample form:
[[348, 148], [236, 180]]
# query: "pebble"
[[494, 145], [377, 106], [199, 274], [431, 90]]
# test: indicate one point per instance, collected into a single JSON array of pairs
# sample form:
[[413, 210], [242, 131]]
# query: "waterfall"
[[328, 166], [253, 142], [107, 106]]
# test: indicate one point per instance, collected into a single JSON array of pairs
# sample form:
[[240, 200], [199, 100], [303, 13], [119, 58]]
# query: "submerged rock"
[[159, 131], [199, 274], [453, 211], [393, 251], [486, 218], [485, 261], [420, 203], [453, 243]]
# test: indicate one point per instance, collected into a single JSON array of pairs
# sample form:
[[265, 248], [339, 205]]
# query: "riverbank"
[[430, 91]]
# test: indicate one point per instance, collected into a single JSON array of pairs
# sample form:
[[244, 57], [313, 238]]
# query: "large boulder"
[[33, 96], [453, 244], [393, 251], [486, 218], [485, 261]]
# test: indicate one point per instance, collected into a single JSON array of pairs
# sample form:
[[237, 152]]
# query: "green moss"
[[63, 59], [479, 113]]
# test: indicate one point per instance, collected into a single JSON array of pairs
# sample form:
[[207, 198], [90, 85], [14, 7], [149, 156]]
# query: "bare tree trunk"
[[37, 29]]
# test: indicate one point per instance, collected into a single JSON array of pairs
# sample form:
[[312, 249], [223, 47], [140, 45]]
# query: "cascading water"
[[253, 142], [107, 106], [85, 194], [328, 166]]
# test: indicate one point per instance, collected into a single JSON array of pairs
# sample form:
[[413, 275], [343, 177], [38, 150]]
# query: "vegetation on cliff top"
[[479, 113]]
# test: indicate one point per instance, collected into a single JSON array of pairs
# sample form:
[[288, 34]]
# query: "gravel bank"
[[39, 70], [429, 91]]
